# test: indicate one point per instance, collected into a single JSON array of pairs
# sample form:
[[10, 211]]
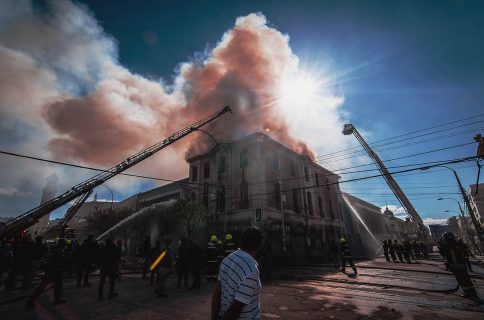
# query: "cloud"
[[428, 221], [66, 96], [395, 209]]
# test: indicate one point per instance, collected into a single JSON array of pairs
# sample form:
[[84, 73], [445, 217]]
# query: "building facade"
[[258, 181]]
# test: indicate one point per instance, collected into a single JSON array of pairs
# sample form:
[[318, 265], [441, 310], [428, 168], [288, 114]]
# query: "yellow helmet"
[[342, 240], [213, 238], [228, 237]]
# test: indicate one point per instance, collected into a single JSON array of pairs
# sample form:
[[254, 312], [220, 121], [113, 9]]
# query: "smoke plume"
[[64, 95]]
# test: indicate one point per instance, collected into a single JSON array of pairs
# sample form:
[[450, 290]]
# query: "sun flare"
[[299, 89]]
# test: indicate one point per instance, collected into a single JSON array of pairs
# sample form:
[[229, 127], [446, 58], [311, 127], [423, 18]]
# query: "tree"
[[102, 219], [189, 214]]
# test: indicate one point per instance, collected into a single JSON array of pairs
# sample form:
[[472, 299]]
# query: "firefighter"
[[455, 261], [406, 249], [391, 249], [467, 253], [212, 253], [229, 245], [385, 250], [398, 249], [415, 249], [220, 247], [346, 256]]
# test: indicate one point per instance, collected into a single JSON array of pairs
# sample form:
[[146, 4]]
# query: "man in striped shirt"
[[237, 292]]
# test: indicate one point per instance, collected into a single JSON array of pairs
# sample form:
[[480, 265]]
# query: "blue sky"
[[410, 65], [401, 66]]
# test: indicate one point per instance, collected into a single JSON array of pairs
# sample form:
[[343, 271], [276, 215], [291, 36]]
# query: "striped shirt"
[[239, 278]]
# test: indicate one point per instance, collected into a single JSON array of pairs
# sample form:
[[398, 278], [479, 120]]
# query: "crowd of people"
[[406, 251]]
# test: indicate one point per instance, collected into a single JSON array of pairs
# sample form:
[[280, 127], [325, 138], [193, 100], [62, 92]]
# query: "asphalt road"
[[381, 290]]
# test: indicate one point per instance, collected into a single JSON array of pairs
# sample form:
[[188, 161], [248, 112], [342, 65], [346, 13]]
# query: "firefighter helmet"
[[448, 237], [342, 240], [228, 237], [213, 238]]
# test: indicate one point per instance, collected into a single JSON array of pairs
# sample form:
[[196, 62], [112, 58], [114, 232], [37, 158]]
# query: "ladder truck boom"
[[30, 217], [397, 191]]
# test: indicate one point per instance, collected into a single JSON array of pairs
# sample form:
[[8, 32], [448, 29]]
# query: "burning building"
[[258, 181]]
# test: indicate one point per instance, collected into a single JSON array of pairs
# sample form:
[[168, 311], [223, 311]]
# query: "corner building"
[[254, 181]]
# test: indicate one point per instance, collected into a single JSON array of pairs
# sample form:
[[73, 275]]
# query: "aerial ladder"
[[397, 191], [83, 189]]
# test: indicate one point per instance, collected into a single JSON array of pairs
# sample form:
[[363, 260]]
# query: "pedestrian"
[[146, 255], [109, 257], [455, 261], [87, 256], [346, 253], [122, 254], [154, 254], [182, 262], [236, 294], [165, 268], [229, 245], [335, 254], [212, 254], [266, 257], [398, 250], [195, 260], [385, 250], [391, 249], [467, 253], [53, 274]]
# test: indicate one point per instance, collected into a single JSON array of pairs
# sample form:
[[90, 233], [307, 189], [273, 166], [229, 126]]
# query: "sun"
[[299, 89]]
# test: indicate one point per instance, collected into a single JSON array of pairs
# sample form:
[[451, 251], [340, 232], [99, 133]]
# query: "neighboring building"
[[171, 191], [252, 181], [365, 226], [437, 230], [477, 202], [399, 229]]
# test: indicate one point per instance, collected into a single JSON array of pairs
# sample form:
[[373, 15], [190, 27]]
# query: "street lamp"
[[466, 200]]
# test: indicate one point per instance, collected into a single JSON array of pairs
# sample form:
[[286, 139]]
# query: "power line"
[[372, 144]]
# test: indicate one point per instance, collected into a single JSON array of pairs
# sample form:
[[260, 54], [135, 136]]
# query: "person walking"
[[212, 254], [398, 250], [385, 250], [53, 274], [87, 256], [182, 262], [346, 253], [455, 261], [391, 249], [165, 269], [108, 261], [146, 255], [195, 260], [236, 294]]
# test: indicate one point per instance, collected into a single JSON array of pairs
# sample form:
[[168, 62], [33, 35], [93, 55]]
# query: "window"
[[206, 170], [243, 158], [244, 195], [331, 214], [310, 203], [275, 161], [317, 178], [221, 199], [205, 194], [278, 196], [222, 165], [194, 173], [292, 167], [306, 173], [320, 205], [295, 201]]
